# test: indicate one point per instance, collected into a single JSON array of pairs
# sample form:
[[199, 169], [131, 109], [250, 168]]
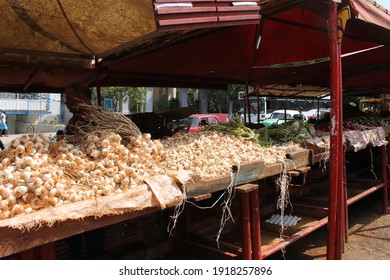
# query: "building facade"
[[28, 112]]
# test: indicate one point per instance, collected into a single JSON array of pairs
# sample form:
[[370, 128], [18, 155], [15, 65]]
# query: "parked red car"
[[198, 121]]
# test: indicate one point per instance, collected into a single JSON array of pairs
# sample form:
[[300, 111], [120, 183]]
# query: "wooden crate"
[[246, 173]]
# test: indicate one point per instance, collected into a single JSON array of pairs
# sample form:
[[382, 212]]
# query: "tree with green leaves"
[[218, 99], [136, 96]]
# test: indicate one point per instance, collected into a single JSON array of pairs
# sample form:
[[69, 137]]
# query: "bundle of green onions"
[[235, 127], [293, 131]]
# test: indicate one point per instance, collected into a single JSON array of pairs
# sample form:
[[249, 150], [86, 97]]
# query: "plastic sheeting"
[[354, 139]]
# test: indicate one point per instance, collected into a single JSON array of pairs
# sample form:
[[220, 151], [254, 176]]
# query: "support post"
[[98, 93], [385, 179], [246, 227], [248, 104], [255, 223], [336, 169], [345, 186]]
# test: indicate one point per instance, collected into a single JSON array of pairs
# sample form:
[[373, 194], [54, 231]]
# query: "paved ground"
[[369, 235]]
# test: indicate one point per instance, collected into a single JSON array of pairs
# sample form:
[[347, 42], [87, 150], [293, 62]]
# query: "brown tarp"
[[73, 27], [48, 43]]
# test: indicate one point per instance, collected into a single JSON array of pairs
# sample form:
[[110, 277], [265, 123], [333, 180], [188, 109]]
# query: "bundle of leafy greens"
[[293, 131], [235, 127]]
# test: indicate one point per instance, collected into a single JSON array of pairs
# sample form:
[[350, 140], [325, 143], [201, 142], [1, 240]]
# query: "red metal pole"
[[98, 93], [255, 223], [345, 200], [341, 220], [248, 103], [384, 178], [246, 227], [336, 173], [258, 107], [341, 217], [388, 159], [364, 193]]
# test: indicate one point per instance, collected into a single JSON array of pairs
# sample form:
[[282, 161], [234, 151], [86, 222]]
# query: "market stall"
[[286, 46], [52, 190]]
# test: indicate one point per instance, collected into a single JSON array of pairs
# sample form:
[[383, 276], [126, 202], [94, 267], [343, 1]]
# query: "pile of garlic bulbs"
[[37, 172], [212, 154]]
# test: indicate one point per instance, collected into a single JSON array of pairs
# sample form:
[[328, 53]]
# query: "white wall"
[[149, 100], [55, 103], [183, 97], [23, 105], [203, 101]]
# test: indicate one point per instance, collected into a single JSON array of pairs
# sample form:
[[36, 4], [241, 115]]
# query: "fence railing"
[[24, 104]]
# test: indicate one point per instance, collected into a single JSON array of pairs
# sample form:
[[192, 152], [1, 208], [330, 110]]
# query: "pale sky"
[[384, 3]]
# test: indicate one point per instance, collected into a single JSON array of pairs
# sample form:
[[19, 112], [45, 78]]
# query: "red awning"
[[294, 47]]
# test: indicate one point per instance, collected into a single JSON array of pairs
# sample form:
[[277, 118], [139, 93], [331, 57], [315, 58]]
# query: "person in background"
[[301, 116], [3, 124], [75, 94]]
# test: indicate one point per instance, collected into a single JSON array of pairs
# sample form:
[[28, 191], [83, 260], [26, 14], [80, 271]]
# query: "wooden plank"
[[234, 1], [206, 25], [251, 172], [291, 239], [303, 169], [294, 173], [301, 158], [14, 240], [237, 8], [305, 222], [181, 1], [246, 173], [247, 188], [185, 10], [201, 197], [239, 17], [187, 20]]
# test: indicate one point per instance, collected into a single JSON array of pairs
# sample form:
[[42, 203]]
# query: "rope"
[[372, 164], [227, 197], [282, 183], [226, 204], [72, 28]]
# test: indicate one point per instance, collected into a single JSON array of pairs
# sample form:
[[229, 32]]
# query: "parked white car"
[[279, 116], [312, 114]]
